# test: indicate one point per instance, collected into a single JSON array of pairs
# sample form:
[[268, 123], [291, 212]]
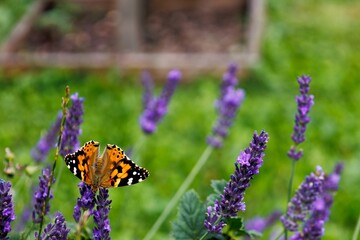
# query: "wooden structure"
[[128, 54]]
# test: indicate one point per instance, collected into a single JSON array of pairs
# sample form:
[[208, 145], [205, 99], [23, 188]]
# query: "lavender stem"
[[184, 186]]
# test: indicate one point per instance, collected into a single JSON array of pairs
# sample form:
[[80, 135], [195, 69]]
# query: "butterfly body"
[[112, 169]]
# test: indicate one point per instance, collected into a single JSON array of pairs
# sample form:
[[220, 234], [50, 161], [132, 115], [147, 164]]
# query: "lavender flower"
[[304, 103], [227, 106], [155, 108], [173, 78], [314, 226], [229, 79], [47, 142], [6, 209], [86, 201], [231, 200], [303, 200], [332, 181], [101, 215], [151, 116], [214, 222], [58, 230], [40, 196], [72, 129], [259, 224]]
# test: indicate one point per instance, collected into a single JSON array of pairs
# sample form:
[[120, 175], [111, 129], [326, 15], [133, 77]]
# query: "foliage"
[[10, 12], [315, 38], [191, 216], [189, 223]]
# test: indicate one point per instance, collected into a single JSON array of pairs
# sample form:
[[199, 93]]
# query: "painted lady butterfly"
[[112, 169]]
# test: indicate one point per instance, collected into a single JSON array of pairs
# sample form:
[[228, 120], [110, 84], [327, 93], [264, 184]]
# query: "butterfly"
[[112, 169]]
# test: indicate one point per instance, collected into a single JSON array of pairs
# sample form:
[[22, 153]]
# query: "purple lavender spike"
[[304, 103], [101, 216], [313, 227], [6, 209], [40, 196], [232, 199], [302, 202], [70, 142], [227, 105], [155, 108], [85, 202], [56, 230]]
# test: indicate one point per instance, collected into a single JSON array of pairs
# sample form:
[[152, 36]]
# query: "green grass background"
[[301, 37]]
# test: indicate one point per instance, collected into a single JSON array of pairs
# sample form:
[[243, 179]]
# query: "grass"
[[301, 37]]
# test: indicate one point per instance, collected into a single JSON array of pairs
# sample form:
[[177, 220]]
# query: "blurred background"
[[99, 49]]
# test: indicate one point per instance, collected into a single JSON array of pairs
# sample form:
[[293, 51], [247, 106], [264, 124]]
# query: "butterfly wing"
[[82, 162], [120, 170]]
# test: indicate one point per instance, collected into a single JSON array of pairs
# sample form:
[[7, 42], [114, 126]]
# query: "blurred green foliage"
[[301, 37], [10, 12], [59, 17]]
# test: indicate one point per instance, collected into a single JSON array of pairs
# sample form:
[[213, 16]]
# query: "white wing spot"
[[68, 166], [135, 173], [73, 161], [74, 171], [140, 179], [130, 181]]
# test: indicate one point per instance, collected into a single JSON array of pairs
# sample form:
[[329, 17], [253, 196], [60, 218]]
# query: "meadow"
[[301, 37]]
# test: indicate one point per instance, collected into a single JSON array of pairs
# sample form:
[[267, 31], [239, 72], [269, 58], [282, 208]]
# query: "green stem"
[[357, 230], [289, 191], [26, 233], [291, 181], [58, 177], [81, 224], [278, 237], [185, 185], [136, 149], [65, 101]]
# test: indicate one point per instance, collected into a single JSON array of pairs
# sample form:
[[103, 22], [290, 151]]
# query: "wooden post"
[[255, 28], [128, 25]]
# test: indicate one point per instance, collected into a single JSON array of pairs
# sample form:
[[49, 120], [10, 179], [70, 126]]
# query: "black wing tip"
[[92, 142]]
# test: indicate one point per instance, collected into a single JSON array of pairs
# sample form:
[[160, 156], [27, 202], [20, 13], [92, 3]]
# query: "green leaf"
[[86, 232], [210, 200], [253, 234], [190, 220], [15, 236], [218, 185], [236, 228], [235, 223]]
